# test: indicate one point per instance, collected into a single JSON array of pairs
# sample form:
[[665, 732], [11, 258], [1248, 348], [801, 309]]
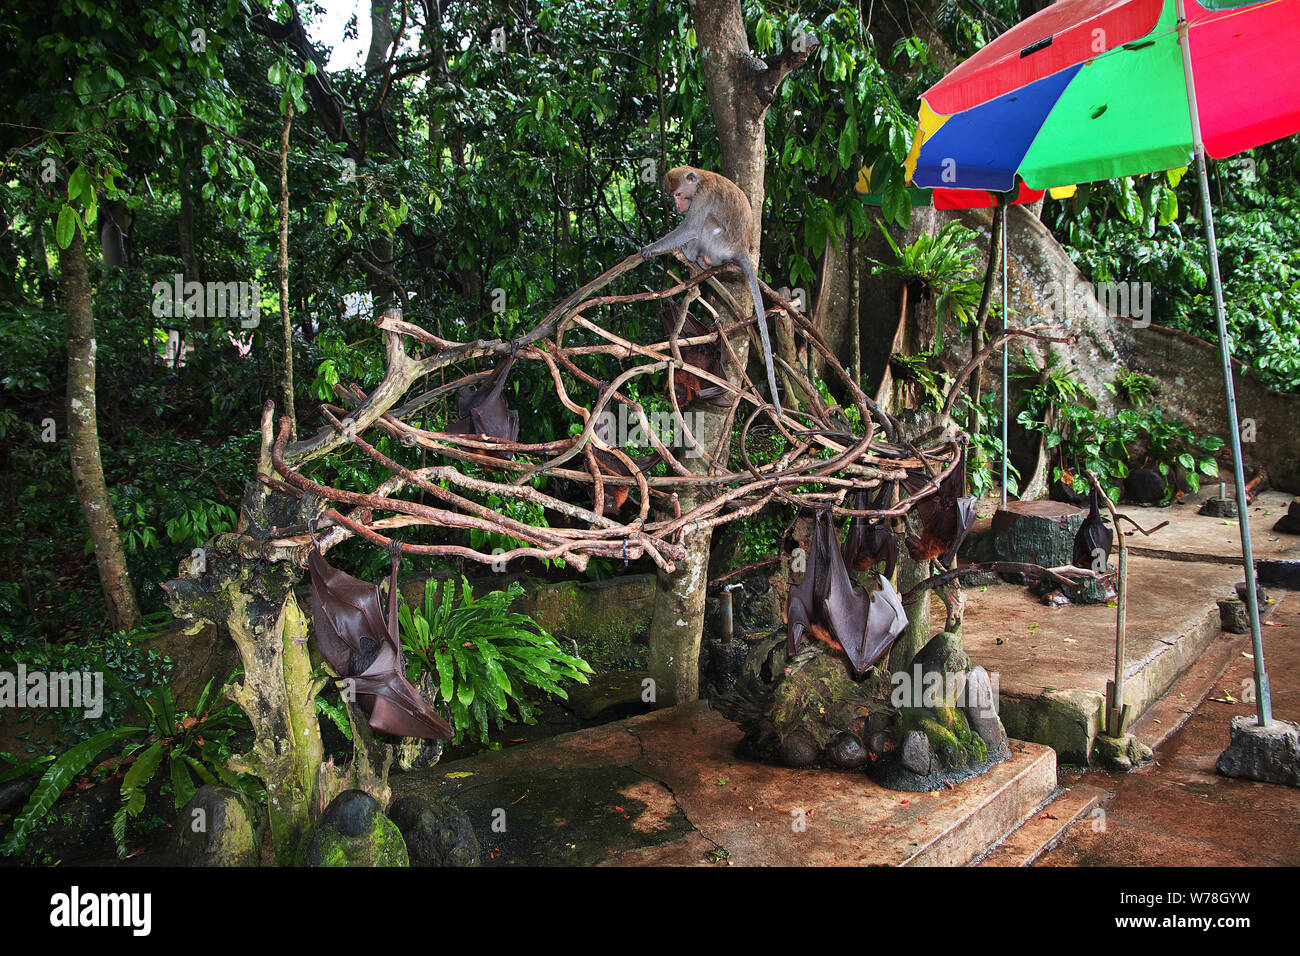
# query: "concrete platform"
[[668, 789], [1053, 662], [1193, 537], [1179, 811]]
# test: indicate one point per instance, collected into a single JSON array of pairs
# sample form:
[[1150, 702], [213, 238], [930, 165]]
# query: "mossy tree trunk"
[[278, 695], [740, 89]]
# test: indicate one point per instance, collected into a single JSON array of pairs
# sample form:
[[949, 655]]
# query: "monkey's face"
[[682, 188]]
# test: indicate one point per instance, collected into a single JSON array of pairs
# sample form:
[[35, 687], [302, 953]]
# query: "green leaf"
[[79, 183], [57, 778], [182, 783], [64, 229]]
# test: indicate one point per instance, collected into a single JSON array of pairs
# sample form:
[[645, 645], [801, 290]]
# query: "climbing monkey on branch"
[[715, 232]]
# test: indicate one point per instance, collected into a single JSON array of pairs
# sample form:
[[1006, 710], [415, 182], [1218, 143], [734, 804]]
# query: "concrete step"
[[1044, 827], [1028, 779]]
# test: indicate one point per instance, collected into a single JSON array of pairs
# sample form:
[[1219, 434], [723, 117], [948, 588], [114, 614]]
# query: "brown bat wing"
[[863, 623], [1093, 535], [870, 540], [845, 610], [802, 604], [707, 357], [484, 410], [888, 620], [348, 618], [346, 612], [945, 517], [468, 398], [395, 706]]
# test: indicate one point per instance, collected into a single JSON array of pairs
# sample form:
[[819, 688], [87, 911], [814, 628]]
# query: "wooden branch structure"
[[819, 461]]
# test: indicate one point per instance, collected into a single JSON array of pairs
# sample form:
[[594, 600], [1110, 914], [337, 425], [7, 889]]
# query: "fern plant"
[[195, 746], [946, 265], [486, 658]]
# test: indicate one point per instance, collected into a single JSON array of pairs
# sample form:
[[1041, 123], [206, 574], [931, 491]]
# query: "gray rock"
[[845, 750], [982, 708], [799, 749], [1121, 753], [1270, 753], [1218, 508], [352, 832], [915, 753], [218, 827], [436, 831], [14, 793], [1234, 616], [944, 655]]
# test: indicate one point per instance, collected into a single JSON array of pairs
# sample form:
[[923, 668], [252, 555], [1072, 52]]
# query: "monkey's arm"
[[676, 239]]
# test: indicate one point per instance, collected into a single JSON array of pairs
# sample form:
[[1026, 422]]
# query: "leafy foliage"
[[486, 658], [1110, 445], [1137, 230], [195, 746]]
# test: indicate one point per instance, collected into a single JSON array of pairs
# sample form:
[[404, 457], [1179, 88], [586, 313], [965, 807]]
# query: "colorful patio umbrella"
[[946, 198], [1093, 89]]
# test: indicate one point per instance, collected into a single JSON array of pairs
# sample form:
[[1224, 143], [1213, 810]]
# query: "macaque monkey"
[[715, 232]]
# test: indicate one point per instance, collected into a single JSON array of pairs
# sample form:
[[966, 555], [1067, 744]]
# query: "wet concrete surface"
[[1035, 648], [1193, 537], [668, 788], [1179, 811]]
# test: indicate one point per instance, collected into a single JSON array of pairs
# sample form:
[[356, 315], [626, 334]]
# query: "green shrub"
[[486, 658]]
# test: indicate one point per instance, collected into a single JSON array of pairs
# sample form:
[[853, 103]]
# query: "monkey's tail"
[[752, 276]]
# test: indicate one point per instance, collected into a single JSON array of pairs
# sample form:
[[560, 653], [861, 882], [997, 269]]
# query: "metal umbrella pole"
[[1005, 225], [1263, 704]]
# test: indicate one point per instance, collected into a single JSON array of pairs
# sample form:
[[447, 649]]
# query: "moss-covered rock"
[[951, 738], [218, 827], [818, 695], [352, 832]]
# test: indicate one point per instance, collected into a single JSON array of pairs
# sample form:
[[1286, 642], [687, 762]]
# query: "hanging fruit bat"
[[945, 517], [870, 540], [865, 624], [609, 464], [799, 609], [348, 619], [862, 624], [689, 387], [483, 410], [1093, 535]]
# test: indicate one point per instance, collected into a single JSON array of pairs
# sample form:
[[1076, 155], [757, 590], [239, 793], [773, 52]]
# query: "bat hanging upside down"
[[826, 605], [348, 619]]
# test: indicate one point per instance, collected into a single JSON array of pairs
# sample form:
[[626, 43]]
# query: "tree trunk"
[[733, 80], [83, 440], [382, 248], [286, 325], [185, 230]]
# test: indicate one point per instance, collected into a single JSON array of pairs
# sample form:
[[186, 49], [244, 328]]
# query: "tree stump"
[[1036, 532]]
